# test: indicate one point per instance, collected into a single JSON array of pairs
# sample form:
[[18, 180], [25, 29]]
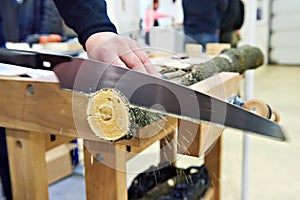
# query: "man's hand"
[[118, 50]]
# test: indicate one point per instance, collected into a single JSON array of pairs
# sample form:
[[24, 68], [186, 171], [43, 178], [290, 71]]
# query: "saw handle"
[[31, 59]]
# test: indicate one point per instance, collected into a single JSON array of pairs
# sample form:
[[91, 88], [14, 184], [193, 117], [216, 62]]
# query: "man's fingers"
[[119, 51], [146, 62], [133, 62], [118, 62], [149, 67]]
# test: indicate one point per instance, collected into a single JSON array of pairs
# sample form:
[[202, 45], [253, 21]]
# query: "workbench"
[[38, 116]]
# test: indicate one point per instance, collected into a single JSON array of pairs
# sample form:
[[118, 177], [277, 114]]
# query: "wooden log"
[[111, 117], [232, 60], [172, 75], [108, 114]]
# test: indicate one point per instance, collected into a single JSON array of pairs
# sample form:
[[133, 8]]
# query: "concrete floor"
[[274, 171], [274, 166]]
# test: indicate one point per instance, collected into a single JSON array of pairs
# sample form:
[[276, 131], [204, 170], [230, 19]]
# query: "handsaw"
[[89, 76]]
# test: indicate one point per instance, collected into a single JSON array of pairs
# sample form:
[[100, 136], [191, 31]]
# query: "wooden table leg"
[[168, 148], [104, 181], [27, 164], [213, 165]]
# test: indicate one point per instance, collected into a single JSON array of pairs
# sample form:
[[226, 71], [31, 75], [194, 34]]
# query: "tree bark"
[[231, 60]]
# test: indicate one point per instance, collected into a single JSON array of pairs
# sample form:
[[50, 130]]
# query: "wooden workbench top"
[[39, 105]]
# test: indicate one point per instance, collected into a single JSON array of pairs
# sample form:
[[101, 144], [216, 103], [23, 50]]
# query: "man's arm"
[[86, 17], [98, 35]]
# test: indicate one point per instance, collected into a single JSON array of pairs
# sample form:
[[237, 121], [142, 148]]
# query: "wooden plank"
[[26, 152], [106, 179], [59, 163], [221, 85], [140, 144], [47, 110], [66, 111], [25, 111], [207, 140], [190, 136], [56, 140], [168, 148], [208, 144], [214, 49], [209, 194], [213, 164], [154, 132]]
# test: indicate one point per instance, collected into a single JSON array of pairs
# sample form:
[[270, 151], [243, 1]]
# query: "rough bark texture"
[[232, 60]]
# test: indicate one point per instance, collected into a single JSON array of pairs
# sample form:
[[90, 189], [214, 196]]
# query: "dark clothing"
[[232, 19], [9, 20], [29, 17], [202, 16], [226, 37], [201, 38], [232, 16], [202, 20], [147, 38], [86, 17], [2, 38], [51, 21], [4, 166]]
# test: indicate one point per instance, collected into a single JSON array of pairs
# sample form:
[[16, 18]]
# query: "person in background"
[[151, 19], [202, 19], [2, 38], [22, 19], [232, 21], [98, 35]]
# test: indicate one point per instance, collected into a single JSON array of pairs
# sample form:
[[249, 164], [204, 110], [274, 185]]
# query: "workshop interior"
[[149, 99]]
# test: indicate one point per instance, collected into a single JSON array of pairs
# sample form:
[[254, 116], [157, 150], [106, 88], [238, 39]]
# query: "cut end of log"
[[108, 114]]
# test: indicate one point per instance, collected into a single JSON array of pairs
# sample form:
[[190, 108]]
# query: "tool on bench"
[[89, 76]]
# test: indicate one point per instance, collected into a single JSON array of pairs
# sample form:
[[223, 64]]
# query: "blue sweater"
[[202, 16], [86, 17], [2, 38]]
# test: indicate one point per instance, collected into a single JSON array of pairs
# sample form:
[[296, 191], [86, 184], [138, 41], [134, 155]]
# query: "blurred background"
[[273, 170]]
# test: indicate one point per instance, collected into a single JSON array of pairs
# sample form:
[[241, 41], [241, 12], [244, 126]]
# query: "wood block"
[[59, 163], [213, 165], [27, 164], [209, 195], [222, 85], [193, 50], [214, 49], [53, 141], [106, 181]]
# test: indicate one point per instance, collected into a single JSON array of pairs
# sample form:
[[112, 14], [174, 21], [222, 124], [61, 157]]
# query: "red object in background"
[[50, 38]]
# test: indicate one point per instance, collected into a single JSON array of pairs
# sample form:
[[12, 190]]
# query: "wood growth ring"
[[108, 114]]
